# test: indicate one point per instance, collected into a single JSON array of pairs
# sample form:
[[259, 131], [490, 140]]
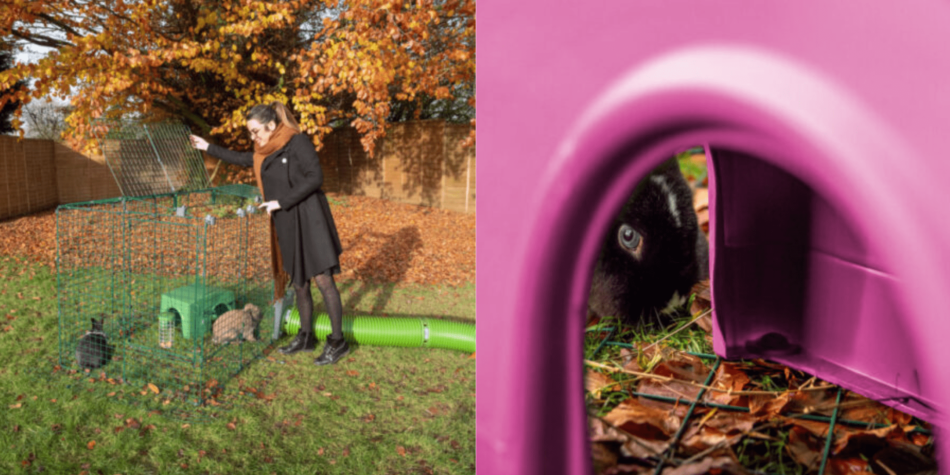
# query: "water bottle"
[[166, 329]]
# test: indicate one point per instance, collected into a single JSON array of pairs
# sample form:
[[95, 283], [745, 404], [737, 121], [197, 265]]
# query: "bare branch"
[[41, 40], [59, 23]]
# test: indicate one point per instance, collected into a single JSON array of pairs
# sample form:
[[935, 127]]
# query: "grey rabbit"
[[236, 322], [93, 349], [653, 252]]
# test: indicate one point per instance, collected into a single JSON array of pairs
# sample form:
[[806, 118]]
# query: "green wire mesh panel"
[[149, 159], [164, 274]]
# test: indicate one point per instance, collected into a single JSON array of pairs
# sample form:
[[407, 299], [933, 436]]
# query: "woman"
[[288, 174]]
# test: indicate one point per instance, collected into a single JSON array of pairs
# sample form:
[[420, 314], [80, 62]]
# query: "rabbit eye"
[[629, 238]]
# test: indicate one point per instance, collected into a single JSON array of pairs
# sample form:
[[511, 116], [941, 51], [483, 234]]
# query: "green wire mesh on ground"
[[386, 331], [667, 459]]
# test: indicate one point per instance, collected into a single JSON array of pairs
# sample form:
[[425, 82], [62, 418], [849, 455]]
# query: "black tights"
[[331, 299]]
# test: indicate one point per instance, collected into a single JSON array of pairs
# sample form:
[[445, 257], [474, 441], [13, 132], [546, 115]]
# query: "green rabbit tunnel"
[[402, 331]]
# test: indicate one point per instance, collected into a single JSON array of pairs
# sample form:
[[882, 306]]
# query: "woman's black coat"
[[307, 236]]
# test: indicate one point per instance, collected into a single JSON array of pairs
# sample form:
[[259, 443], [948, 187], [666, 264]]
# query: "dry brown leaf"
[[702, 303], [848, 440], [595, 382], [642, 421], [813, 402], [849, 466], [904, 459], [765, 406], [762, 363], [683, 367], [898, 417], [701, 206], [643, 448], [670, 389], [603, 457], [719, 464], [721, 427], [602, 432], [920, 439], [688, 373], [729, 378], [859, 408], [384, 241], [804, 448], [815, 428], [645, 357], [705, 322], [700, 198], [153, 388], [731, 423], [696, 438]]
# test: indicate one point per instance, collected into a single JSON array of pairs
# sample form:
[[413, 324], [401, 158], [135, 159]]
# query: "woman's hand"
[[269, 206], [198, 142]]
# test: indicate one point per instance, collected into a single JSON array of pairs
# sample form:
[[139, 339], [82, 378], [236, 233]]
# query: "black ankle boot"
[[303, 342], [333, 351]]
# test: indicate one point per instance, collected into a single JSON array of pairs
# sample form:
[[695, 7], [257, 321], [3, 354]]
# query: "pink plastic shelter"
[[826, 125]]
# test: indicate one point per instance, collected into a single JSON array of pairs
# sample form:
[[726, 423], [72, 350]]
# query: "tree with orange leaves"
[[357, 62], [6, 111]]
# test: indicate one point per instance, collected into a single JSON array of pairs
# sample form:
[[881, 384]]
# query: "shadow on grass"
[[391, 262]]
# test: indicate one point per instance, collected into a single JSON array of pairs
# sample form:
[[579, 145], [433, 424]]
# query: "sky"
[[33, 53]]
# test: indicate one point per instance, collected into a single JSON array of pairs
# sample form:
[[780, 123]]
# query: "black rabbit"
[[93, 349], [653, 252]]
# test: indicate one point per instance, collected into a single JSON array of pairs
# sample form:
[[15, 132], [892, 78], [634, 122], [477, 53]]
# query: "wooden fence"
[[421, 162], [36, 175]]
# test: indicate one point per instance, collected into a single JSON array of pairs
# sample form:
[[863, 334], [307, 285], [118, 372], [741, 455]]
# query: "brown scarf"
[[280, 137], [282, 134]]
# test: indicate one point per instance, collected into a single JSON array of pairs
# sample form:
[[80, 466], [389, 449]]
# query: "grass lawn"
[[380, 411]]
